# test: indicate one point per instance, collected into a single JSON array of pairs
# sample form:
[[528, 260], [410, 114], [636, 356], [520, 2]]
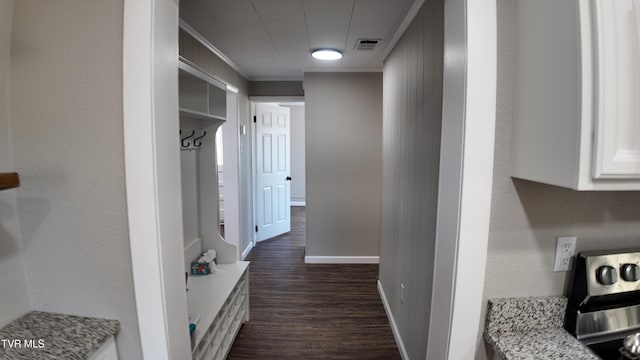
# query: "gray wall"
[[276, 88], [14, 297], [193, 50], [412, 122], [526, 217], [344, 163], [297, 153], [67, 133]]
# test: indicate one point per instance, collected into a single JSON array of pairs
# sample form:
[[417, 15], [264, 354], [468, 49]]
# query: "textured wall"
[[526, 217], [14, 297], [412, 122], [343, 162], [193, 50], [276, 88], [297, 153], [67, 132]]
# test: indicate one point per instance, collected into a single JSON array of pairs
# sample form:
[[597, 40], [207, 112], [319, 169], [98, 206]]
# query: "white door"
[[273, 191]]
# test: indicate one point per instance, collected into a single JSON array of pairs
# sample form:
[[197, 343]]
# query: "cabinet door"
[[616, 153]]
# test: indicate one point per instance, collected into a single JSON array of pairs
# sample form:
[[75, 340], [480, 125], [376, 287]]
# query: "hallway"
[[311, 311]]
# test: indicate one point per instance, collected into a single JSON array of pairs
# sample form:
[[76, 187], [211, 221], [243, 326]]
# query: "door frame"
[[254, 141], [232, 170]]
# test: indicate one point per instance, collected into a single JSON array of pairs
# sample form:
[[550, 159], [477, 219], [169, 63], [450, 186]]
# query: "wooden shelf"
[[9, 181], [201, 116]]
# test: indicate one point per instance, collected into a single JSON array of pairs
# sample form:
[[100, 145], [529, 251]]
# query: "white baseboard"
[[298, 203], [392, 322], [342, 259], [247, 251]]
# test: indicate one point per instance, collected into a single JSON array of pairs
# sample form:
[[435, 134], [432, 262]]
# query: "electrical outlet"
[[565, 249], [402, 293]]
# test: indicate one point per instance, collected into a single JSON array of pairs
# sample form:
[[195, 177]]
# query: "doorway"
[[278, 165]]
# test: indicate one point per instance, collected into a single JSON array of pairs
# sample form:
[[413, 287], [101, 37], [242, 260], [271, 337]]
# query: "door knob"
[[288, 178]]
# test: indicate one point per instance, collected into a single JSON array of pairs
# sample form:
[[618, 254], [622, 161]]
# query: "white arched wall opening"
[[466, 177], [153, 184], [152, 161], [152, 165]]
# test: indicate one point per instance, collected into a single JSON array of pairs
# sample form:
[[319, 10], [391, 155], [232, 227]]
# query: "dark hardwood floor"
[[311, 311]]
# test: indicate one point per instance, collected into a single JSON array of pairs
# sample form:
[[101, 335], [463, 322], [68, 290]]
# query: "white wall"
[[67, 133], [14, 297], [297, 154], [343, 129], [526, 217], [411, 155]]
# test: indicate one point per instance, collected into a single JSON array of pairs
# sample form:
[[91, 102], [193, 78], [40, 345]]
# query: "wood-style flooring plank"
[[311, 311]]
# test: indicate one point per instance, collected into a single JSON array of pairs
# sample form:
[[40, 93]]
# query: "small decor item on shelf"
[[204, 264], [194, 319]]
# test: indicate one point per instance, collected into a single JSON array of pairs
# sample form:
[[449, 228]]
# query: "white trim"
[[298, 203], [450, 182], [231, 174], [152, 175], [254, 174], [342, 259], [392, 322], [201, 39], [141, 179], [477, 181], [246, 251], [389, 45], [466, 177]]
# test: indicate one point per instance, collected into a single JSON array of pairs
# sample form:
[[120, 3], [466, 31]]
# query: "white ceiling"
[[273, 39]]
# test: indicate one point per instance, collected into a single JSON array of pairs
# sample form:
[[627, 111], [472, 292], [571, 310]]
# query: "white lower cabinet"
[[221, 299], [576, 120], [107, 351]]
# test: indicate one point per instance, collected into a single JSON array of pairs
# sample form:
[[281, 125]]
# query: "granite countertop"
[[45, 336], [531, 329]]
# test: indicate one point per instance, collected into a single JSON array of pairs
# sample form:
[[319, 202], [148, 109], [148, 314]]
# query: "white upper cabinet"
[[576, 118]]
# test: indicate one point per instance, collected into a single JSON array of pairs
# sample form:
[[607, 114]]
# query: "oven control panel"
[[604, 296], [612, 273]]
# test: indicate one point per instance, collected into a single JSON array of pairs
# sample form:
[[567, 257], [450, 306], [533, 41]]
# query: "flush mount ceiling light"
[[326, 54]]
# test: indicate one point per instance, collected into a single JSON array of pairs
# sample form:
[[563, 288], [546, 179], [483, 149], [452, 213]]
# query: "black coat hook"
[[184, 141], [197, 143]]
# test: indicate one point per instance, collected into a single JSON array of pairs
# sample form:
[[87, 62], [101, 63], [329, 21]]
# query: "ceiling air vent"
[[366, 44]]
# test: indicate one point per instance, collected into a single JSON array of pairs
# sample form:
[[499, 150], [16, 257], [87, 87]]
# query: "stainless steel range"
[[604, 301]]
